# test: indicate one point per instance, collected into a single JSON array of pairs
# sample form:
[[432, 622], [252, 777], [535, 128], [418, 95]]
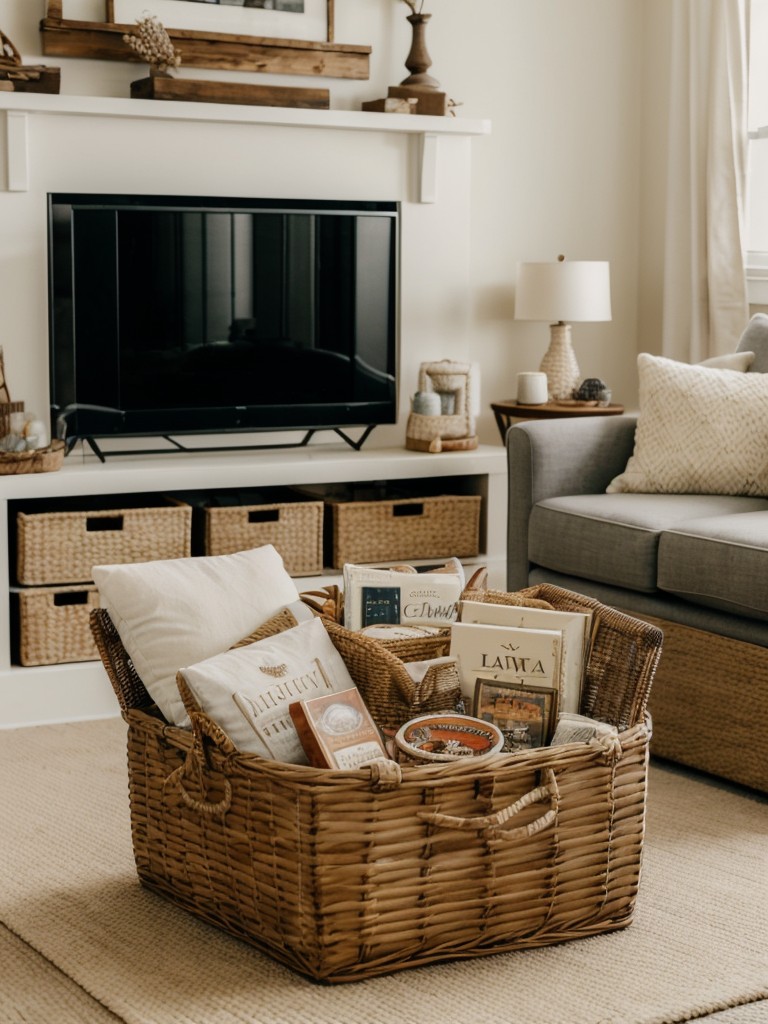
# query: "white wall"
[[562, 83]]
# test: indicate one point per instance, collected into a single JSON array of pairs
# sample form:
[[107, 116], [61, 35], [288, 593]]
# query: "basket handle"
[[196, 761], [491, 824]]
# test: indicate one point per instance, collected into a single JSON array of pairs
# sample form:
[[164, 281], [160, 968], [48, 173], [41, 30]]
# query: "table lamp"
[[563, 291]]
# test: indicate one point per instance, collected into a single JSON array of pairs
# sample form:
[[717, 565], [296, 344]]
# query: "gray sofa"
[[694, 564]]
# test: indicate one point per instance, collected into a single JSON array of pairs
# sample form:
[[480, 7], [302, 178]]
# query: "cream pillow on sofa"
[[701, 430], [176, 611]]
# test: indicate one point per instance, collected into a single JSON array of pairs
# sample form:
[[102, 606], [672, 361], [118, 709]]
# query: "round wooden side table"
[[510, 411]]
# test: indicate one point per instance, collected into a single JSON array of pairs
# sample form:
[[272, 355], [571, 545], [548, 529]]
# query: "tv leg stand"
[[177, 446]]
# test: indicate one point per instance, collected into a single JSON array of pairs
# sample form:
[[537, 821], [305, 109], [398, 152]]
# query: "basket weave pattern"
[[296, 533], [58, 547], [344, 875], [52, 633], [373, 531]]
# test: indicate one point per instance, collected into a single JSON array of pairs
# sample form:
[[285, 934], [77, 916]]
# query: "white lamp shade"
[[568, 290]]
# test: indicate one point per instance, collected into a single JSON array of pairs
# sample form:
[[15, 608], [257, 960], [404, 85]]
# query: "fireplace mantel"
[[19, 107]]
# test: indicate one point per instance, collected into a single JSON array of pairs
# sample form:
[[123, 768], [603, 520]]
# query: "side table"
[[510, 411]]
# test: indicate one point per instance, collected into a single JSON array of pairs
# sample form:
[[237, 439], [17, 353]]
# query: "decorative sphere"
[[590, 389]]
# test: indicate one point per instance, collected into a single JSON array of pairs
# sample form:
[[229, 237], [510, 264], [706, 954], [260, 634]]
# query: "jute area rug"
[[84, 943]]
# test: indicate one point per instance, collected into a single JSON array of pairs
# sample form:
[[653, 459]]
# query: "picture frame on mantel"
[[91, 35], [314, 24]]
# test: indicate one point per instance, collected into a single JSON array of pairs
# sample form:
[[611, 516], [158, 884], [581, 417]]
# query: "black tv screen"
[[184, 315]]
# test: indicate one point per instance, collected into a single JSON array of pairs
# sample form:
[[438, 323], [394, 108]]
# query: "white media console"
[[67, 692]]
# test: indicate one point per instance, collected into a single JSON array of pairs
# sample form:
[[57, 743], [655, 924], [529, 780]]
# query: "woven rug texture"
[[84, 942]]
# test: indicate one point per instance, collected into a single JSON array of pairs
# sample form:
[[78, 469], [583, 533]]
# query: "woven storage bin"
[[63, 546], [405, 528], [54, 625], [344, 875], [294, 528]]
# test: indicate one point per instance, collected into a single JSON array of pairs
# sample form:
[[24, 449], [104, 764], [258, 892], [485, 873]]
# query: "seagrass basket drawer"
[[292, 525], [363, 526], [62, 542], [51, 625]]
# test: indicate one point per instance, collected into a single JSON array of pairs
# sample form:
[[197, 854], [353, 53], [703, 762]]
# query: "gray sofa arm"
[[549, 458]]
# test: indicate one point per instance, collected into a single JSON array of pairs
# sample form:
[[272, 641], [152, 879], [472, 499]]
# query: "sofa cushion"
[[700, 431], [720, 562], [614, 538]]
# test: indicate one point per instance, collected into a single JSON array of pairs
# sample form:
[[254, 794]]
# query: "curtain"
[[705, 293]]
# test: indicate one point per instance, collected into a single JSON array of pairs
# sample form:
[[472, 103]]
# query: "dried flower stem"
[[153, 43], [417, 6]]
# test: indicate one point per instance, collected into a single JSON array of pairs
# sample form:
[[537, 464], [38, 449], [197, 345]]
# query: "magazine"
[[576, 629]]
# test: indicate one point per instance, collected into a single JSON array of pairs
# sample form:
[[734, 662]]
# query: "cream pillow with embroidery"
[[247, 690], [701, 430]]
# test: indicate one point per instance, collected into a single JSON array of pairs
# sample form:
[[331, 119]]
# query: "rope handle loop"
[[210, 809], [491, 825], [206, 733]]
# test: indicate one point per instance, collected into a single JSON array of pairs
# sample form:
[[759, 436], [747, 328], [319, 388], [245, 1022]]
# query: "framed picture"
[[277, 19], [525, 714]]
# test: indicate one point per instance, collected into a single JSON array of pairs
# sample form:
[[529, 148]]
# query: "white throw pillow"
[[180, 610], [247, 690], [733, 361], [700, 431]]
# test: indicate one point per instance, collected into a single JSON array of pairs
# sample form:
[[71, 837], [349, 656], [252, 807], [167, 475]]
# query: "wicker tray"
[[344, 875], [42, 460]]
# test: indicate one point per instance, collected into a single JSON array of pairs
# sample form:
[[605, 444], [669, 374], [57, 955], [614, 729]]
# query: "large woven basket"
[[344, 875]]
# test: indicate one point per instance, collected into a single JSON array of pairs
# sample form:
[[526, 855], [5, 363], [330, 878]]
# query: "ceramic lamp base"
[[559, 363]]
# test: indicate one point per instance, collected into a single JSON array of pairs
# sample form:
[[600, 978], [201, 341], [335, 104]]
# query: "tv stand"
[[177, 446], [66, 692]]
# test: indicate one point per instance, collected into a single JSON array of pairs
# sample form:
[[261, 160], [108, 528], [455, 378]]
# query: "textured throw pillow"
[[247, 690], [700, 431], [176, 611]]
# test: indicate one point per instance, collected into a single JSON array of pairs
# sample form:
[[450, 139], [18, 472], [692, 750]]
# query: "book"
[[530, 656], [524, 713], [576, 629], [392, 596], [581, 729], [337, 731]]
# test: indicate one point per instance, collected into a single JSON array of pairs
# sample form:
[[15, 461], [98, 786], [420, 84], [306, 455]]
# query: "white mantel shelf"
[[18, 107]]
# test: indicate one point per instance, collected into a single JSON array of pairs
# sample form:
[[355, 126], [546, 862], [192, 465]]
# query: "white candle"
[[532, 388]]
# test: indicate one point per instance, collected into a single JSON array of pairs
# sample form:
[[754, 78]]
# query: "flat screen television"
[[176, 315]]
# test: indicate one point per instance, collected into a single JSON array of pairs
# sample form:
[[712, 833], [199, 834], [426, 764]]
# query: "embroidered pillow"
[[700, 430], [247, 690]]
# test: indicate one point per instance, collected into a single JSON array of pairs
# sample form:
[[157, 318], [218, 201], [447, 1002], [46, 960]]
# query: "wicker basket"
[[294, 528], [344, 875], [54, 625], [55, 547], [405, 528], [41, 460]]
